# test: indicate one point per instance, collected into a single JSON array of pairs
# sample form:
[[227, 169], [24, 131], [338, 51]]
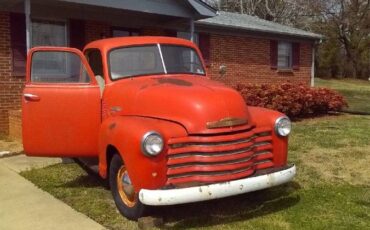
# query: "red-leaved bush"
[[295, 100]]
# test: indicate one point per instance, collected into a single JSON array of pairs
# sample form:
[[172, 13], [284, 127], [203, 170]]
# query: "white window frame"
[[290, 55]]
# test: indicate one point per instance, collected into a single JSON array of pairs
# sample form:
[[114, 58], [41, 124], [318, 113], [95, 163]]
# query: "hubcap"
[[125, 188]]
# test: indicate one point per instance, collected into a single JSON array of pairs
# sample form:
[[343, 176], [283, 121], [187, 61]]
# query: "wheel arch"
[[111, 150]]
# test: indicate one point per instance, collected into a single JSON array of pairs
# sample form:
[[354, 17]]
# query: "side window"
[[95, 60], [58, 67]]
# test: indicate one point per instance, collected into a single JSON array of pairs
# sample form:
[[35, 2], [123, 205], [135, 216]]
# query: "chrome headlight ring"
[[152, 143], [283, 126]]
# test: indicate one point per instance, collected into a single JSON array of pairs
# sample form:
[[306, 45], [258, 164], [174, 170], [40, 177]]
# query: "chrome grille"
[[217, 158]]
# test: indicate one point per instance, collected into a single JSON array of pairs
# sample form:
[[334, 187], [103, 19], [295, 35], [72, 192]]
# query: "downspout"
[[192, 30], [192, 39], [27, 11], [313, 65]]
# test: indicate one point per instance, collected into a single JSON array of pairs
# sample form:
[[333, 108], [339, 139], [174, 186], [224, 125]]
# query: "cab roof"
[[111, 43]]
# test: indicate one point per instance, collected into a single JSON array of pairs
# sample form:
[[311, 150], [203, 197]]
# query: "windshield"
[[154, 59]]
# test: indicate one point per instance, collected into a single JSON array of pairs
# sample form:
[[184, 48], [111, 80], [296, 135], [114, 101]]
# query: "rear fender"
[[125, 134]]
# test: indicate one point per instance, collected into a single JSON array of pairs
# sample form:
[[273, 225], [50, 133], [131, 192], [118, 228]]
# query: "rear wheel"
[[124, 195]]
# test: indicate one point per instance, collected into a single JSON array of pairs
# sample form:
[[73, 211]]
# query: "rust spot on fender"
[[112, 126], [270, 179], [174, 81], [144, 87]]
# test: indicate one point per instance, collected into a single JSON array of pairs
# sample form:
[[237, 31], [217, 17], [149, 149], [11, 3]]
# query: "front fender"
[[262, 117], [125, 134]]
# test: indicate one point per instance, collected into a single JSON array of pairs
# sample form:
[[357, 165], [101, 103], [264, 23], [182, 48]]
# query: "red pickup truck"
[[163, 132]]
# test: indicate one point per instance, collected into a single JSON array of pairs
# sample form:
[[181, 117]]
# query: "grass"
[[331, 190], [357, 92]]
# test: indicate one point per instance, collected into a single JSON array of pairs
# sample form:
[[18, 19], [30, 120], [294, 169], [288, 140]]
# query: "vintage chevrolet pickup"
[[163, 132]]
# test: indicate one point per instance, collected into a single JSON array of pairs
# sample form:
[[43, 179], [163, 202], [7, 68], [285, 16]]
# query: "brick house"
[[244, 48]]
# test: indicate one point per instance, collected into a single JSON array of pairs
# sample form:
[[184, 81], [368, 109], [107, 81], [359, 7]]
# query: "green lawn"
[[357, 92], [331, 190]]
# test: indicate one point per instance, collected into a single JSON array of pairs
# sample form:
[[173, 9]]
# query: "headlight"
[[152, 144], [283, 126]]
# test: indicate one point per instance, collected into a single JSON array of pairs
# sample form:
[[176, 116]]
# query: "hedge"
[[295, 100]]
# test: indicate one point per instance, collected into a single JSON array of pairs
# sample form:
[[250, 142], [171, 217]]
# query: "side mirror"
[[222, 70]]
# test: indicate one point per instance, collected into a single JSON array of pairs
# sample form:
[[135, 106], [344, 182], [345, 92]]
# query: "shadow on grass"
[[231, 209]]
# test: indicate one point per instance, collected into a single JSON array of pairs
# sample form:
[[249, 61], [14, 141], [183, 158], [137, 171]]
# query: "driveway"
[[24, 206]]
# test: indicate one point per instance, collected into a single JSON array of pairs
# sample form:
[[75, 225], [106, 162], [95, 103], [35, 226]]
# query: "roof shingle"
[[253, 23]]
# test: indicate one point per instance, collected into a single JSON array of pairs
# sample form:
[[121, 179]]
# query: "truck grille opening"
[[206, 159]]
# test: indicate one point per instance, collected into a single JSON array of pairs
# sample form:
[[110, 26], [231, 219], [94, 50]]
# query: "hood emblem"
[[226, 122]]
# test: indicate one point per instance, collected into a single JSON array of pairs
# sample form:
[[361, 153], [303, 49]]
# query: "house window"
[[187, 35], [118, 32], [285, 55], [48, 33]]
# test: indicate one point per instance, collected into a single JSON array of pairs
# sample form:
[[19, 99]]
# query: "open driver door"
[[61, 104]]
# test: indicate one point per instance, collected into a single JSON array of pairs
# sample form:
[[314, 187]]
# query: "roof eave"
[[203, 9], [316, 37]]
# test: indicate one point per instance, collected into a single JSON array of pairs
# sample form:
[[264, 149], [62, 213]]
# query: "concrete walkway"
[[24, 206]]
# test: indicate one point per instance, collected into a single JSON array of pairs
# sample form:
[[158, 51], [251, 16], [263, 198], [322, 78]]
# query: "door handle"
[[31, 97]]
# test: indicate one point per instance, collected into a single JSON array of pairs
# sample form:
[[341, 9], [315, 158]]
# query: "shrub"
[[295, 100]]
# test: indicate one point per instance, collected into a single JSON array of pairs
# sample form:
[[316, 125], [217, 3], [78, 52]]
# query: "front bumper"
[[215, 191]]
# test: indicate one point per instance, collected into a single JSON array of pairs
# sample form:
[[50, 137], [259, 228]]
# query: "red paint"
[[73, 120]]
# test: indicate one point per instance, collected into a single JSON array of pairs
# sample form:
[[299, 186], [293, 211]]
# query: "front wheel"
[[124, 195]]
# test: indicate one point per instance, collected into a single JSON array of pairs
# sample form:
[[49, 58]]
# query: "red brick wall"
[[10, 86], [247, 60], [96, 30], [147, 31], [15, 124]]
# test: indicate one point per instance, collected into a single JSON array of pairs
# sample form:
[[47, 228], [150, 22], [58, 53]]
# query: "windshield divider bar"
[[160, 53]]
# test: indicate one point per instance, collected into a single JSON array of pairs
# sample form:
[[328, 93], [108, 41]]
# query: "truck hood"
[[193, 101]]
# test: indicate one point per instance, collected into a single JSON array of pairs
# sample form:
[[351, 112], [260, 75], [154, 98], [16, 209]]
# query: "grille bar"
[[220, 147], [210, 179], [209, 168], [219, 138], [208, 158]]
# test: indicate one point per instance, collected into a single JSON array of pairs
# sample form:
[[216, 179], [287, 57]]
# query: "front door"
[[61, 104]]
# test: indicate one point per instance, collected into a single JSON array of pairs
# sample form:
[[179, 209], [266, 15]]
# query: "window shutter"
[[205, 47], [296, 55], [18, 43], [77, 33], [273, 54]]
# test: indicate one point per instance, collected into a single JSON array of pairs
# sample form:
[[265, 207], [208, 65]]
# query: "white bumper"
[[215, 191]]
